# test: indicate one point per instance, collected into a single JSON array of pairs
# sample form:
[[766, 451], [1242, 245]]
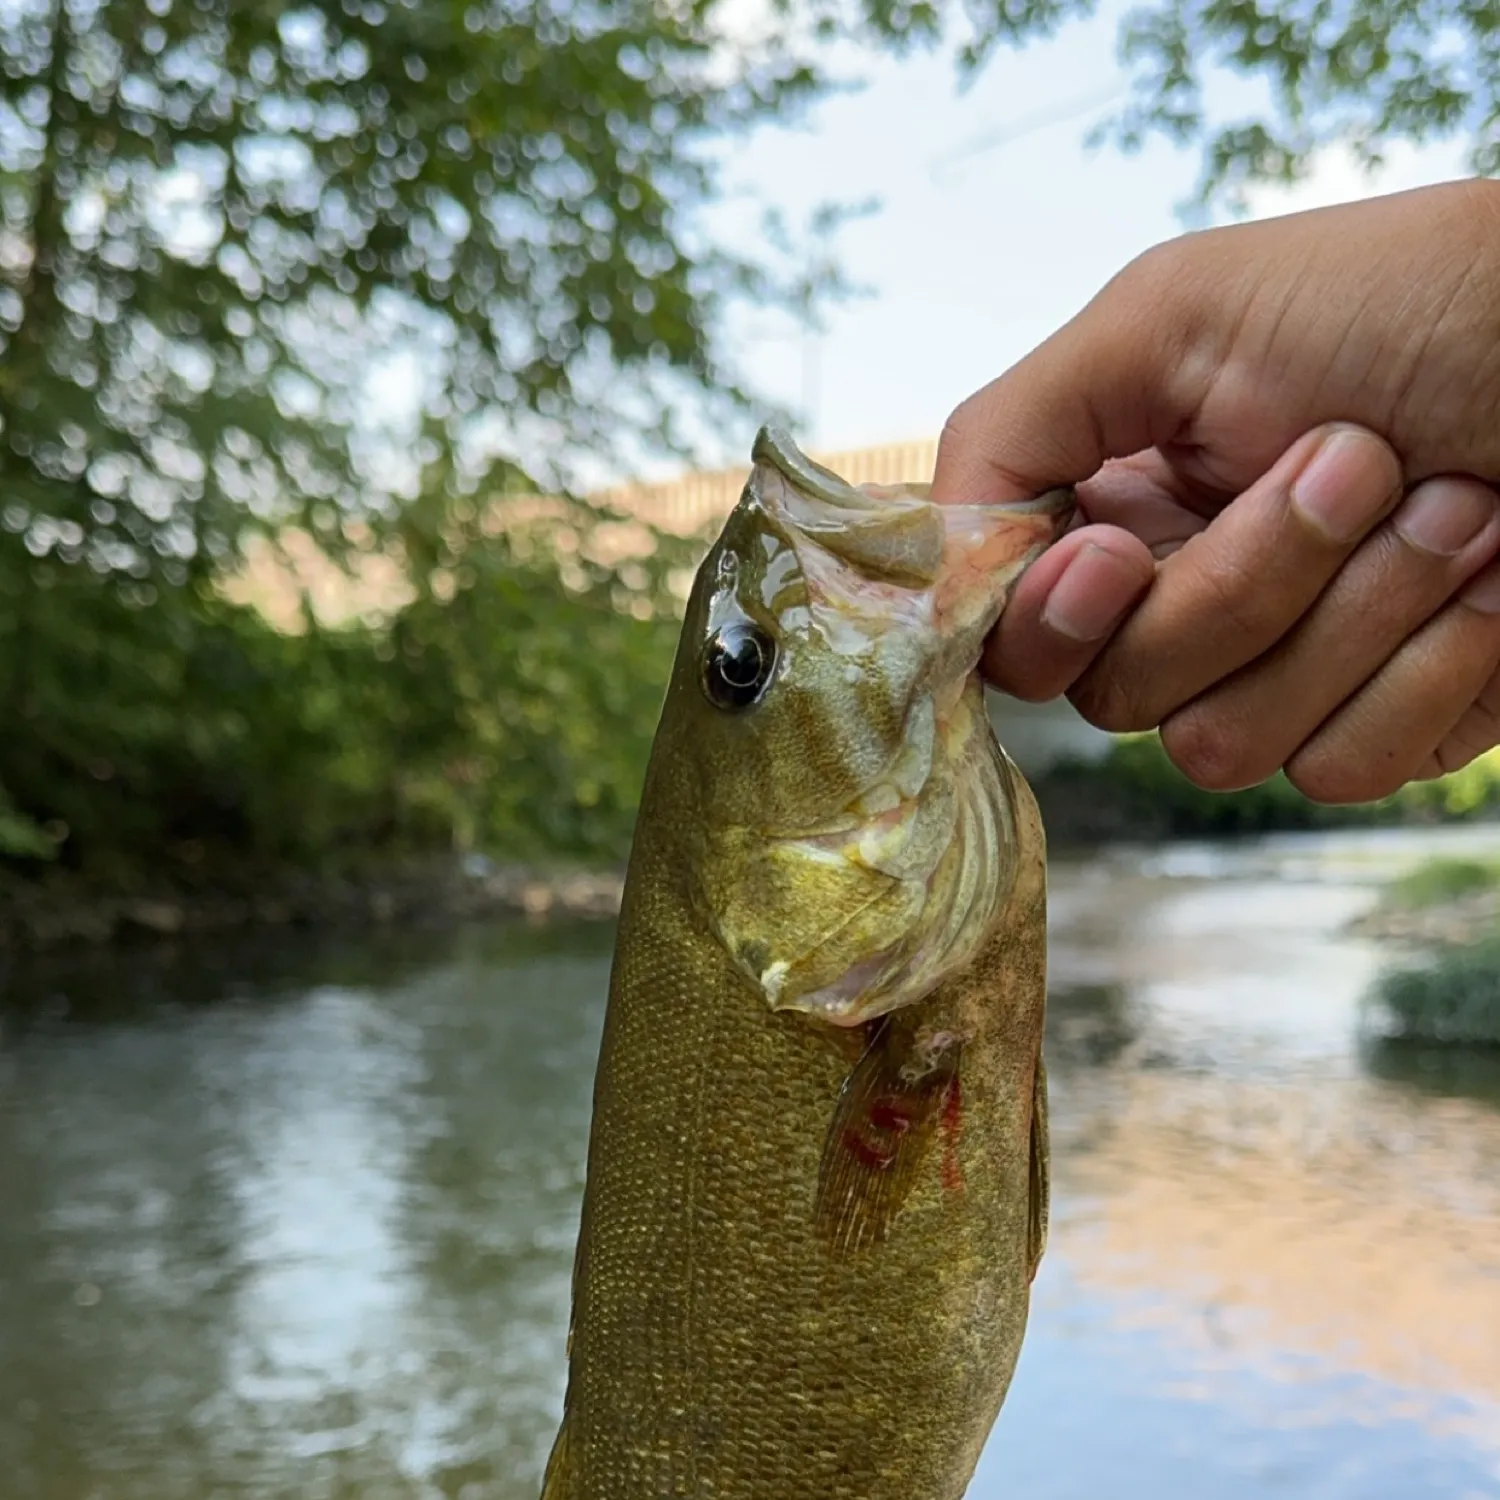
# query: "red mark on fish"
[[887, 1119]]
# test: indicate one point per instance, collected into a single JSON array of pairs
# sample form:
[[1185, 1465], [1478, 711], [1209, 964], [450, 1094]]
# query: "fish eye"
[[737, 665]]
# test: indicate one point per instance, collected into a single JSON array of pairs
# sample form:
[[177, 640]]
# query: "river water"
[[295, 1219]]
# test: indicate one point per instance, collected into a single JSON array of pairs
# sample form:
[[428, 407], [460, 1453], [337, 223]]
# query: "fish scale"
[[813, 1206]]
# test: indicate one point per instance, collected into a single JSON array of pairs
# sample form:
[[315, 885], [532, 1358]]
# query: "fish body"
[[817, 1174]]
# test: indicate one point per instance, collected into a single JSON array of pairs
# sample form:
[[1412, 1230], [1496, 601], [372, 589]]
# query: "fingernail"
[[1092, 596], [1444, 515], [1346, 483], [1483, 594]]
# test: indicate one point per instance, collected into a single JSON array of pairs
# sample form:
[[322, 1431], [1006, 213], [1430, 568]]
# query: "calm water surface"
[[296, 1220]]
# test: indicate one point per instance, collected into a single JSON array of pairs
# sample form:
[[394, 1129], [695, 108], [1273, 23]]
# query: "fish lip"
[[1059, 502], [774, 447]]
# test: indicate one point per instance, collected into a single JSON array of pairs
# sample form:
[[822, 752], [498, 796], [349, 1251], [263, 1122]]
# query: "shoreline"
[[1458, 922], [43, 916]]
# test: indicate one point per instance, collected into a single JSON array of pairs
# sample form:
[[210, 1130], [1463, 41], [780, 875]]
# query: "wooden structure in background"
[[691, 502], [281, 579]]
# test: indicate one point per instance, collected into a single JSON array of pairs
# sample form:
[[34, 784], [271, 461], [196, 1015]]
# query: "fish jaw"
[[965, 880]]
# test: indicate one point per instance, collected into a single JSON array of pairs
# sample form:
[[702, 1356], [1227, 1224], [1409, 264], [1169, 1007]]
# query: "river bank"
[[39, 915], [1133, 796]]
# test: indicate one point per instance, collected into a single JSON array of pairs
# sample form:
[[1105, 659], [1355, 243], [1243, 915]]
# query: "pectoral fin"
[[1039, 1191], [883, 1126]]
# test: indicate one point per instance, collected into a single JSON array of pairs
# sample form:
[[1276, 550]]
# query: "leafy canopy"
[[215, 213], [220, 220]]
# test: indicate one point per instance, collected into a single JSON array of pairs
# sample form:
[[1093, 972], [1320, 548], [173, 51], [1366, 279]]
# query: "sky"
[[979, 251]]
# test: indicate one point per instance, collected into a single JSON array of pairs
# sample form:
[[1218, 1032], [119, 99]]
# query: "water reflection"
[[306, 1240], [1470, 1072], [297, 1219], [1088, 1026]]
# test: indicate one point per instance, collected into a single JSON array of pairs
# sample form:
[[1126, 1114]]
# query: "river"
[[294, 1218]]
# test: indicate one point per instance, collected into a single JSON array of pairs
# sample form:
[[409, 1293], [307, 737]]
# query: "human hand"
[[1293, 615]]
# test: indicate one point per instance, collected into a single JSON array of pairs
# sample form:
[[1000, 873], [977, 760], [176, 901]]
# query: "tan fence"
[[277, 578], [686, 504]]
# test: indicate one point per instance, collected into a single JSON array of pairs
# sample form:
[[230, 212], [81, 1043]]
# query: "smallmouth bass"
[[817, 1183]]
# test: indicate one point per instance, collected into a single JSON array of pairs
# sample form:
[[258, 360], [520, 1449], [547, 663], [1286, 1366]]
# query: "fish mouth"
[[889, 549]]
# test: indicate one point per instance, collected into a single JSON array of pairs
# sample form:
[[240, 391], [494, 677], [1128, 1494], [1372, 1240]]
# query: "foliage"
[[1453, 997], [1136, 792], [184, 738], [529, 673], [153, 736], [1363, 73], [213, 214], [221, 222], [20, 837], [215, 220], [1360, 73], [1437, 881]]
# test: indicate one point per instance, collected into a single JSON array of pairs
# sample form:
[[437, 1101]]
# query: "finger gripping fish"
[[817, 1175]]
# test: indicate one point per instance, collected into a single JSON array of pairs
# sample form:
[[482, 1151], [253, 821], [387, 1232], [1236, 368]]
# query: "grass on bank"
[[1452, 996], [1438, 881]]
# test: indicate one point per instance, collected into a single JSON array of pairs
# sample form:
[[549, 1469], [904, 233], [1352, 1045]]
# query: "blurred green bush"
[[1452, 996], [1135, 792], [182, 737]]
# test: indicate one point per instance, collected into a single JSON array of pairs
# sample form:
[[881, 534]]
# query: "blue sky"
[[976, 254]]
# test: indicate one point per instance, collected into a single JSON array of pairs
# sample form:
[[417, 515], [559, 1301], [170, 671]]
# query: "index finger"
[[1126, 374]]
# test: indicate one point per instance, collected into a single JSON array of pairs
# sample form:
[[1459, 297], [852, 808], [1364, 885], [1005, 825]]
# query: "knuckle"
[[1114, 697], [1156, 270], [956, 429], [1338, 781], [1208, 749], [966, 426]]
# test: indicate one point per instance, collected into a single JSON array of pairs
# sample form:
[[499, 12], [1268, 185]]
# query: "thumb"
[[1128, 373]]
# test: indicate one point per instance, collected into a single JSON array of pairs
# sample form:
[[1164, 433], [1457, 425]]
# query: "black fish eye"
[[737, 665]]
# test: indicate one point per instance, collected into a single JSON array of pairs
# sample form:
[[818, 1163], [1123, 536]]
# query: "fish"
[[817, 1183]]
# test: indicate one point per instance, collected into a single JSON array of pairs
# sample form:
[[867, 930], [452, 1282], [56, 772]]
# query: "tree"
[[216, 214], [213, 214], [1362, 73], [212, 211], [1358, 73]]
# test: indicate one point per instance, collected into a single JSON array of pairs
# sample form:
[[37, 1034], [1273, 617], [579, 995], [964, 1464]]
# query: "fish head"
[[841, 795]]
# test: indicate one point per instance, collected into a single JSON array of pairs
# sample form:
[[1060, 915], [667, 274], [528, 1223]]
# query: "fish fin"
[[884, 1122], [557, 1481], [1039, 1191]]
